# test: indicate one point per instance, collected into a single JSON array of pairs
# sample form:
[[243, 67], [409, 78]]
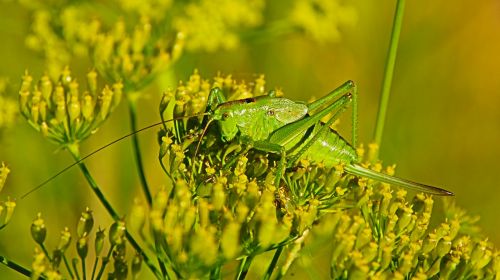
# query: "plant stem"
[[84, 269], [273, 263], [293, 254], [389, 72], [137, 151], [244, 267], [74, 150], [17, 267]]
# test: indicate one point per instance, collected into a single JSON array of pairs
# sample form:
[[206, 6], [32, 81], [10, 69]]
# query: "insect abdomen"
[[330, 149]]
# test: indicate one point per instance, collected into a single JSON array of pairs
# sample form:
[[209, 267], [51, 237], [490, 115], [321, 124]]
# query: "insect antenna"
[[198, 145], [104, 147]]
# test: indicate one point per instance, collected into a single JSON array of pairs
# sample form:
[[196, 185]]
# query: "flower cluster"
[[322, 19], [211, 25], [61, 111], [50, 263], [61, 35], [223, 206], [134, 57]]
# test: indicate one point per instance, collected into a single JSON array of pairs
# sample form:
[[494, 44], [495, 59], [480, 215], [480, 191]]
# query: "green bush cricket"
[[291, 129], [294, 131]]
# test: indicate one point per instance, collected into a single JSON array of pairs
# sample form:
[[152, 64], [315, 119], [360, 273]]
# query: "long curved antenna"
[[104, 147], [199, 143]]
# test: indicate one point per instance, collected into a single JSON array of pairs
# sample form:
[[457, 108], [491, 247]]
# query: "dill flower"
[[51, 262], [222, 208], [322, 19], [61, 36], [61, 111], [212, 25], [135, 56]]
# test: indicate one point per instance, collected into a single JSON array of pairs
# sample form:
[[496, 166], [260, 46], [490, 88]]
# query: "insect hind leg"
[[348, 87]]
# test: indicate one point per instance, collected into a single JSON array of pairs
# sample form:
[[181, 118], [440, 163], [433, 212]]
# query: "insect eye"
[[225, 115], [270, 112]]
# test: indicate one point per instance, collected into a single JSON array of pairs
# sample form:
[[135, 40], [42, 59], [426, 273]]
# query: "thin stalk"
[[94, 268], [244, 267], [84, 269], [137, 150], [215, 273], [273, 263], [74, 264], [74, 150], [17, 267], [163, 269], [68, 268], [104, 262], [389, 72], [293, 254]]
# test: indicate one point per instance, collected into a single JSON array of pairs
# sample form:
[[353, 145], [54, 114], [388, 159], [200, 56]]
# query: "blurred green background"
[[443, 122]]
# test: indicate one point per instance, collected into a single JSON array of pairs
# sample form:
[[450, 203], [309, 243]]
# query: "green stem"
[[104, 262], [17, 267], [74, 150], [163, 269], [84, 269], [215, 273], [137, 151], [293, 254], [74, 265], [94, 268], [68, 268], [273, 263], [389, 72], [244, 267]]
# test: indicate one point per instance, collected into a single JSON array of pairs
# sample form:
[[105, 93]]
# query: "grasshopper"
[[294, 131]]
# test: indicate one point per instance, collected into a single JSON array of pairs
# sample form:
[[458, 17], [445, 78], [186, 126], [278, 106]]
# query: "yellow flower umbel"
[[53, 262], [212, 25], [223, 206], [63, 112], [135, 56], [321, 18]]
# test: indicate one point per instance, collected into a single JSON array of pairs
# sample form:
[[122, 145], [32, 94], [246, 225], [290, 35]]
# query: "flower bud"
[[443, 246], [137, 217], [85, 223], [38, 230], [82, 247], [136, 265], [99, 241], [230, 240], [4, 171], [92, 82], [64, 240], [117, 233]]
